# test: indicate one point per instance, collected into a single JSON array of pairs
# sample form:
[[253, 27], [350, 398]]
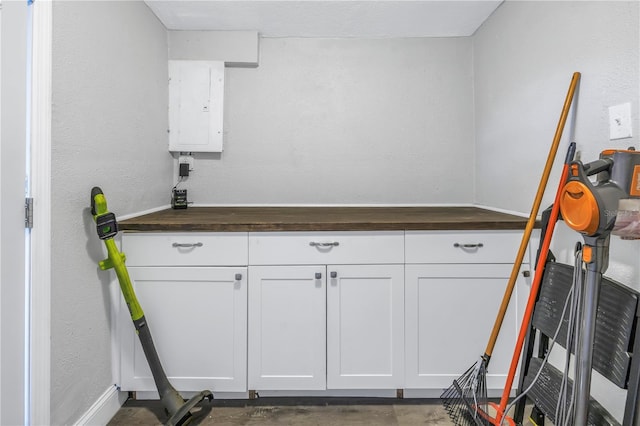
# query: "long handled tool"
[[107, 227], [469, 390], [535, 287]]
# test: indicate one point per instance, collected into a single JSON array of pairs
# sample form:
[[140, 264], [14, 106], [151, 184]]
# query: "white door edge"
[[41, 89], [13, 288]]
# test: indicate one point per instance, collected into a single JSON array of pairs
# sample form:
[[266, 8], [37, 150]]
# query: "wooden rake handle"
[[532, 216]]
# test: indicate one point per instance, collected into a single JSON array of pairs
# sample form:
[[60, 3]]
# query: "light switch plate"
[[620, 121]]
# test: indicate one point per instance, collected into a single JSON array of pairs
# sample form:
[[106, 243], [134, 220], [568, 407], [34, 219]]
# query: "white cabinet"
[[462, 247], [332, 325], [197, 314], [186, 248], [320, 311], [196, 105], [287, 333], [365, 326], [197, 318], [451, 307], [322, 248], [450, 313]]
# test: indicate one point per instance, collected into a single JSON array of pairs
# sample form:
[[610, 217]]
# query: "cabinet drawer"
[[462, 246], [299, 248], [185, 249]]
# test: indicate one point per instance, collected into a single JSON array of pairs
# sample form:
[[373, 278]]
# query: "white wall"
[[234, 48], [109, 129], [352, 121], [524, 56]]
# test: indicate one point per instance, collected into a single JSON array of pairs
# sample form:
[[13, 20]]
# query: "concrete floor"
[[291, 412]]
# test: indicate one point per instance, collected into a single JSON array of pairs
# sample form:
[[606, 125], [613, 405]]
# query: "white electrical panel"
[[196, 103]]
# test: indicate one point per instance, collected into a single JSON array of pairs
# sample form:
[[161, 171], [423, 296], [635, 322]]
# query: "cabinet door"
[[198, 320], [450, 312], [365, 326], [287, 330]]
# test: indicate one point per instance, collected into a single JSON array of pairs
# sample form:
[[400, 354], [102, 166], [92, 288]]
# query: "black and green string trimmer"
[[177, 409]]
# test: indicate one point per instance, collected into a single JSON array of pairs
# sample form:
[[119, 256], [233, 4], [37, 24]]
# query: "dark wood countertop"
[[244, 219]]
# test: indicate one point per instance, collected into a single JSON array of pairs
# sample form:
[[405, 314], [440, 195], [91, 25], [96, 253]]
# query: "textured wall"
[[235, 48], [524, 56], [350, 121], [109, 129]]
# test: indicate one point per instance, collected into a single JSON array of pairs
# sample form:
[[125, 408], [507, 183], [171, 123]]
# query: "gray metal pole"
[[584, 347]]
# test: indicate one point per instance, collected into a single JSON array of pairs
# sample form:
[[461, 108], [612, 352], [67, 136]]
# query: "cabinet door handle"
[[186, 245], [468, 246], [318, 244], [334, 274], [318, 275], [238, 277]]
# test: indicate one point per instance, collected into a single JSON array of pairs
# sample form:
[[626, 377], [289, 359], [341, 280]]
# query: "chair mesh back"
[[615, 320]]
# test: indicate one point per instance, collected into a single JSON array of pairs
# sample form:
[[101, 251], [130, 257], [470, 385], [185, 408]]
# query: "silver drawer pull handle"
[[187, 245], [317, 244], [238, 277], [468, 246], [318, 275]]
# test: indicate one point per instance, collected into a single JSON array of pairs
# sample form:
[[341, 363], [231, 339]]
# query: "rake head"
[[466, 400]]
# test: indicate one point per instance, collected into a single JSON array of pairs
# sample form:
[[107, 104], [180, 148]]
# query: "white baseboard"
[[105, 407], [142, 213], [496, 209]]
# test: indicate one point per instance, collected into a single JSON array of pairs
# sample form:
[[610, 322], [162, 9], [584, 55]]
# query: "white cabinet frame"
[[198, 320], [365, 326], [450, 312], [287, 328]]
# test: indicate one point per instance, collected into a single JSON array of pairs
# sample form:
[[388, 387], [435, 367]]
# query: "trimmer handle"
[[95, 191], [106, 223]]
